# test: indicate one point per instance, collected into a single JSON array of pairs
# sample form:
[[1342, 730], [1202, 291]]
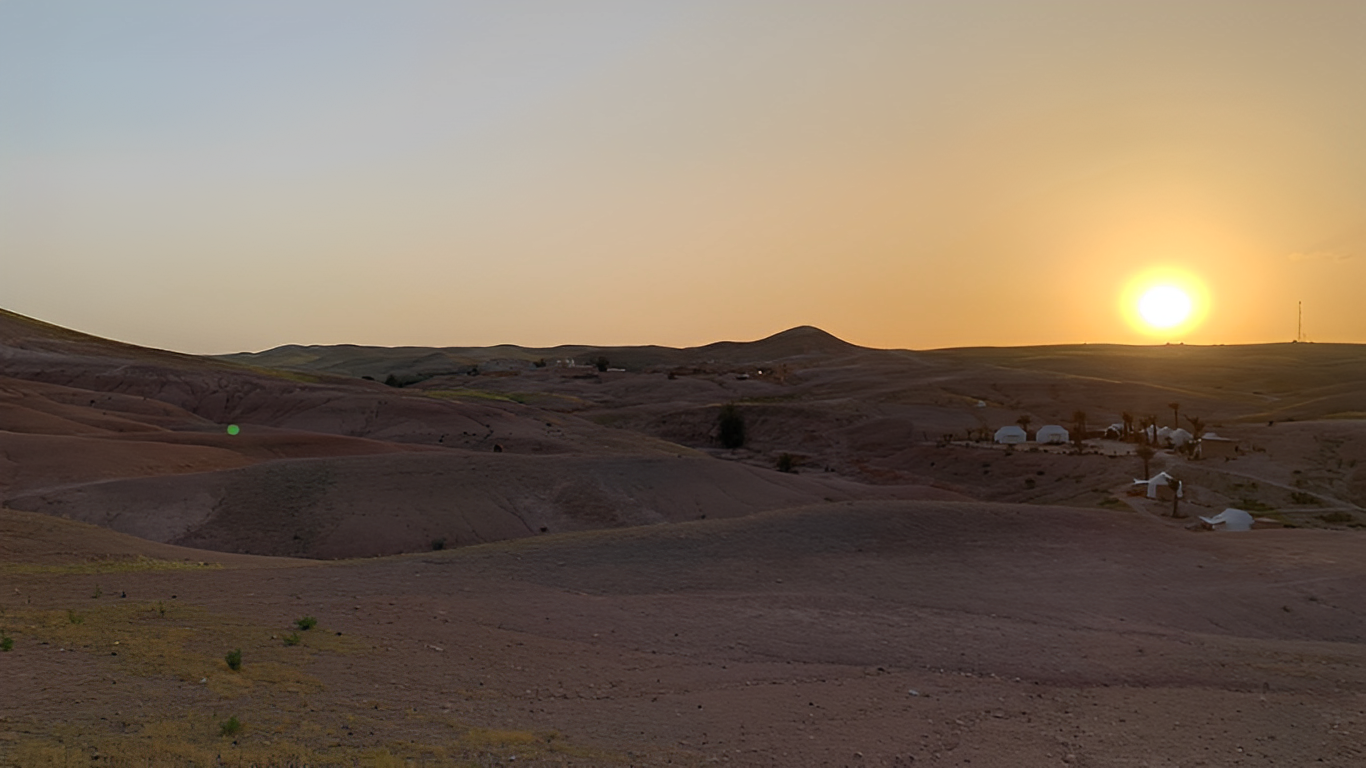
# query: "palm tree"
[[1176, 414], [1149, 424], [1197, 426], [1023, 421], [1128, 419], [1078, 428], [1175, 485], [1146, 453], [1197, 432]]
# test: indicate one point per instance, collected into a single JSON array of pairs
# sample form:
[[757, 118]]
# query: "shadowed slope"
[[378, 505]]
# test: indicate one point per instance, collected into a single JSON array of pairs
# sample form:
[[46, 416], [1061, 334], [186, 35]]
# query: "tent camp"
[[1011, 435], [1051, 433], [1160, 487], [1229, 520]]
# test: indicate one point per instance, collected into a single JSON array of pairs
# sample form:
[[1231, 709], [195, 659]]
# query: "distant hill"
[[378, 362]]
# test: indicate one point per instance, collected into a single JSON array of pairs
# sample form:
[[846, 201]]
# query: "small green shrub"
[[75, 618], [293, 638], [1299, 497], [6, 643], [438, 544], [230, 727], [1337, 517], [98, 592], [787, 463], [234, 659], [306, 623]]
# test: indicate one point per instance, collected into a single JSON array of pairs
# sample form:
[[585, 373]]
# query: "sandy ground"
[[875, 633], [615, 588]]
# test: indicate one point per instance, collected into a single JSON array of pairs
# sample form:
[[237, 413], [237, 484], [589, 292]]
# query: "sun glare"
[[1164, 302], [1164, 306]]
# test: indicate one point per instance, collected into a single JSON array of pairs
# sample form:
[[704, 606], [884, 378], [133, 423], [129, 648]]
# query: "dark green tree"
[[731, 427]]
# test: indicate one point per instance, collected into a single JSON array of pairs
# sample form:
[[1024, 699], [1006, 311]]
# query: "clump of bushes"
[[293, 638], [6, 643], [230, 727], [306, 623], [1337, 517], [438, 544], [787, 463], [234, 659]]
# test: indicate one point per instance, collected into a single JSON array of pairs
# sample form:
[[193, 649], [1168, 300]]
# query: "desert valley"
[[787, 552]]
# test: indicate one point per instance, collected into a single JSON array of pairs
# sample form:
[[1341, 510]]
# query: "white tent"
[[1229, 520], [1011, 435], [1051, 433], [1159, 481], [1179, 437], [1158, 435]]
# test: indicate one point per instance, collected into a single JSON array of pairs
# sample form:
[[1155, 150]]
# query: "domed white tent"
[[1011, 435], [1052, 434], [1229, 520], [1179, 437]]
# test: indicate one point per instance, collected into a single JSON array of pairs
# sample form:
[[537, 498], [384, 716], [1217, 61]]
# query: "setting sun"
[[1164, 306], [1164, 301]]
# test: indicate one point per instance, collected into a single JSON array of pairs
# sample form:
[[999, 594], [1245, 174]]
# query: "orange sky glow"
[[213, 177]]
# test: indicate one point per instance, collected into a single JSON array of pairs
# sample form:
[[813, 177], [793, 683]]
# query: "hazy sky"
[[224, 176]]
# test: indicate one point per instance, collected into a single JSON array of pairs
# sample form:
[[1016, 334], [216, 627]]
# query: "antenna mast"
[[1299, 328]]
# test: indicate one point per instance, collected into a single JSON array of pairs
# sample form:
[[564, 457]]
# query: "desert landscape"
[[787, 552]]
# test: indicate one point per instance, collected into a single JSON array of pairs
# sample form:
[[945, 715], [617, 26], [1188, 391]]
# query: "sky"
[[217, 177]]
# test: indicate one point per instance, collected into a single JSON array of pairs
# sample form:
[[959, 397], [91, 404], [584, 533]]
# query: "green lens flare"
[[233, 429]]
